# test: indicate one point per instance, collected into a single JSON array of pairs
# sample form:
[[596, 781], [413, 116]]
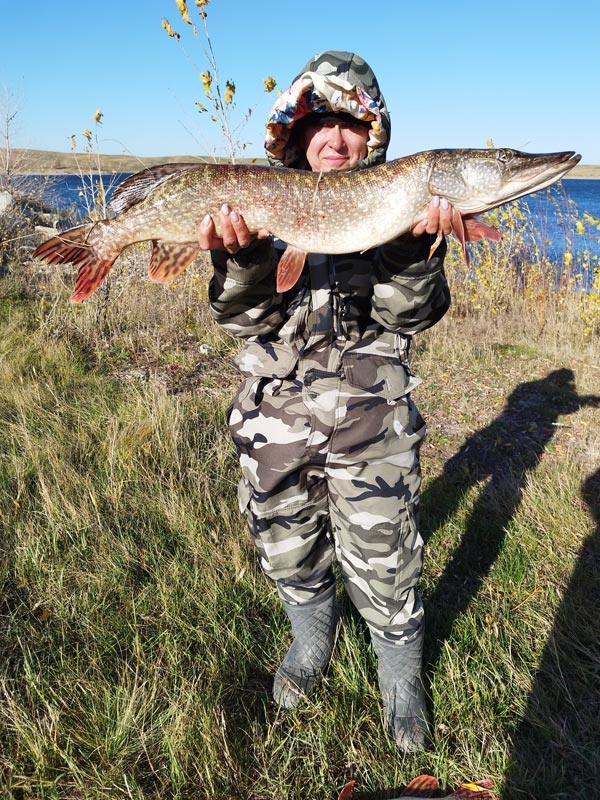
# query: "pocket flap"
[[266, 359], [386, 376]]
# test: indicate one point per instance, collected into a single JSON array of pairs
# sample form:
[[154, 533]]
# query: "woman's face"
[[335, 144]]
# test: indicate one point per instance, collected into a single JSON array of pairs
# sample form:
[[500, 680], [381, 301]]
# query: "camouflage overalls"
[[327, 435]]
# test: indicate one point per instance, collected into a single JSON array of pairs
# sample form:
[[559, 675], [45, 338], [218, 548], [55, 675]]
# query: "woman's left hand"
[[439, 218]]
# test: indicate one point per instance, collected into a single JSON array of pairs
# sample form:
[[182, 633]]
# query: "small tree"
[[220, 96]]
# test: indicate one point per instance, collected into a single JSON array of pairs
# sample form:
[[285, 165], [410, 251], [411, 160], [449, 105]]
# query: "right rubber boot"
[[314, 626]]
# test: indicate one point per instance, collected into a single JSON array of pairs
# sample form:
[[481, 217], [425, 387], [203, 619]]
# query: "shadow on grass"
[[556, 747], [499, 457], [560, 734]]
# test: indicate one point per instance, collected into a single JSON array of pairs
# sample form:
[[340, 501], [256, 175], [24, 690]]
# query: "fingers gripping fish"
[[336, 212]]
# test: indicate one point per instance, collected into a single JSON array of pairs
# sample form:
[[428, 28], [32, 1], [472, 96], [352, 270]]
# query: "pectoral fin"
[[458, 229], [477, 229], [169, 259], [290, 268], [435, 245]]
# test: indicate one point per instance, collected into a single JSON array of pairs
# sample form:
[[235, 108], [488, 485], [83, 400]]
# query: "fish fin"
[[458, 229], [73, 247], [435, 245], [138, 186], [477, 229], [289, 268], [346, 792], [477, 790], [421, 786], [169, 259]]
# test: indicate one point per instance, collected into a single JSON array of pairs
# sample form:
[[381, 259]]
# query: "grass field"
[[139, 638]]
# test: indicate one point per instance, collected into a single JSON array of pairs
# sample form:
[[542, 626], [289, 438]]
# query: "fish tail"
[[74, 247]]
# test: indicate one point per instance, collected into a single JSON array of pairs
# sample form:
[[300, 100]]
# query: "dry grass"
[[139, 637]]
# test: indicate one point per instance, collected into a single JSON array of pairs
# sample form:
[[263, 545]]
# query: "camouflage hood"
[[334, 81]]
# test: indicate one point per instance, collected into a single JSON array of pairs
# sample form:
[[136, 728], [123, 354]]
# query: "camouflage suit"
[[327, 434]]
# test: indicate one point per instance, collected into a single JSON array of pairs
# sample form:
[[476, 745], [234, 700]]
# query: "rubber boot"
[[314, 627], [402, 691]]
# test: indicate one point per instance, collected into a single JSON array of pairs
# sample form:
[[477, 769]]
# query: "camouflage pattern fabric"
[[329, 468], [327, 434]]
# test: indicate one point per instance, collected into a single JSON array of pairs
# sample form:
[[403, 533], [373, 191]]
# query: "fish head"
[[478, 180]]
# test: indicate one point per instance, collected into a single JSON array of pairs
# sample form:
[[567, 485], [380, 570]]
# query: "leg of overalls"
[[284, 496], [374, 478]]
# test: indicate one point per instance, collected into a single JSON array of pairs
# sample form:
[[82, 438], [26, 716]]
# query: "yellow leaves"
[[167, 27], [98, 117], [579, 227], [88, 135], [229, 92], [490, 143], [269, 83]]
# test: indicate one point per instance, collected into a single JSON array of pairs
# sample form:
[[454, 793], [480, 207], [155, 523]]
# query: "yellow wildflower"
[[167, 27], [98, 117], [88, 134], [206, 79], [269, 83], [183, 10], [229, 92]]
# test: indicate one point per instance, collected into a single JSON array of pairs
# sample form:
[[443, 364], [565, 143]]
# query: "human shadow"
[[556, 747], [497, 459]]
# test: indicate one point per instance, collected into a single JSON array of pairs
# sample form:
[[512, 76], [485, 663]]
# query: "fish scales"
[[336, 212]]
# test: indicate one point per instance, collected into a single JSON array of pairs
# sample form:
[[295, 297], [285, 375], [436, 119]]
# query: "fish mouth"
[[533, 172]]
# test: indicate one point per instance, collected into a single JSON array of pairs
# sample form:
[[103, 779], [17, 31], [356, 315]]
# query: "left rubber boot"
[[402, 691]]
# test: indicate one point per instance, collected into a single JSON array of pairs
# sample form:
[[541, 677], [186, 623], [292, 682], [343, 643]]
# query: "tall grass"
[[138, 637]]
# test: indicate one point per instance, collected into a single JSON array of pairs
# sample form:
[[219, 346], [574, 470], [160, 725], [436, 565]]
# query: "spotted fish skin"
[[337, 212]]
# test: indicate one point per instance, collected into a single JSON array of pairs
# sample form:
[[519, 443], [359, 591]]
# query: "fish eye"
[[504, 155]]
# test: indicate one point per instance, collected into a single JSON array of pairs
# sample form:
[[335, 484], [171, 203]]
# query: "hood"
[[334, 81]]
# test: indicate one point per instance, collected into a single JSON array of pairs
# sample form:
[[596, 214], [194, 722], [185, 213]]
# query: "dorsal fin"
[[137, 187]]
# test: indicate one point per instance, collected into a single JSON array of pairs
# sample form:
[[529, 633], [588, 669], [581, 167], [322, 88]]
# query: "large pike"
[[337, 212]]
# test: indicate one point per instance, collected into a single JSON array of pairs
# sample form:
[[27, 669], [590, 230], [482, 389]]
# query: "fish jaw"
[[479, 180]]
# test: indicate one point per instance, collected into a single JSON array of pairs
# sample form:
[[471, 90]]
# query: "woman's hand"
[[438, 220], [234, 232]]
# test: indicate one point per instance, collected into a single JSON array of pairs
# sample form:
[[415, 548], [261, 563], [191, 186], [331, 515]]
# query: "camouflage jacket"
[[352, 314]]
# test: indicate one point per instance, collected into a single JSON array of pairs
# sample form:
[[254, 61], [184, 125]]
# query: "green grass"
[[139, 638]]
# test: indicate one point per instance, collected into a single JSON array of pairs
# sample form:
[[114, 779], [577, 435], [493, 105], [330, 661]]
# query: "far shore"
[[50, 162]]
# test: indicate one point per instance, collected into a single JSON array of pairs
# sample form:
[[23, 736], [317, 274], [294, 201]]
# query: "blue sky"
[[454, 73]]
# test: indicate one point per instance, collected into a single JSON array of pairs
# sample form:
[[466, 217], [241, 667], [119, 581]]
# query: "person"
[[325, 428]]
